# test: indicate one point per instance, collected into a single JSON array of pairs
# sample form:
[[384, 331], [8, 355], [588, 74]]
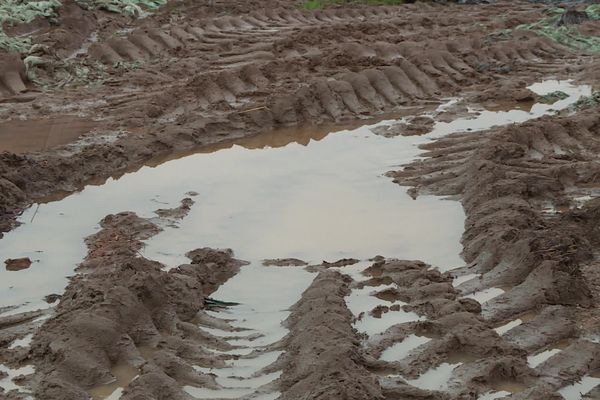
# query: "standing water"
[[324, 199]]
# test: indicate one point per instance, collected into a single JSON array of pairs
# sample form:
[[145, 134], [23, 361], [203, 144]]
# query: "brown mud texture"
[[189, 75]]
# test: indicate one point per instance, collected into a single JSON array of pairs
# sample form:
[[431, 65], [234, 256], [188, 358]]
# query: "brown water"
[[313, 197], [123, 375], [19, 136]]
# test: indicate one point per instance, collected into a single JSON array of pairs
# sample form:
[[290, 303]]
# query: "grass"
[[320, 4]]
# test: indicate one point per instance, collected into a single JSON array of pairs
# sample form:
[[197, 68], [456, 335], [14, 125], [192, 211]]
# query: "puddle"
[[325, 204], [485, 295], [19, 136], [436, 378], [123, 374], [306, 196], [259, 313], [577, 390], [501, 330], [526, 317], [313, 198], [7, 382], [494, 395], [23, 342], [362, 301], [537, 359], [486, 119], [464, 278], [400, 350], [372, 325]]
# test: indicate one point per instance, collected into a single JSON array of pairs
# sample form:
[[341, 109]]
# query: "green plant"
[[552, 97], [14, 44], [134, 8], [568, 36], [16, 12], [592, 100]]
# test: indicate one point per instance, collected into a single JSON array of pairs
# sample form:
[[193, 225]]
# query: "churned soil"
[[191, 75], [127, 92]]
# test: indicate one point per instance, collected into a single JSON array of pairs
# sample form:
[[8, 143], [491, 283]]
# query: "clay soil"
[[191, 76]]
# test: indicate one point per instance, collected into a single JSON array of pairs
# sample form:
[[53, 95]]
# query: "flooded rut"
[[313, 200]]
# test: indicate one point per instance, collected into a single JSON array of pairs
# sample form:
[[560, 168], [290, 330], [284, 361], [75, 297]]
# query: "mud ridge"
[[323, 358], [123, 312], [204, 80], [529, 196]]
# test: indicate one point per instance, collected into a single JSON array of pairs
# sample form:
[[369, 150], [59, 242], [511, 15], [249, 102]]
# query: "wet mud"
[[159, 307], [212, 77], [123, 315]]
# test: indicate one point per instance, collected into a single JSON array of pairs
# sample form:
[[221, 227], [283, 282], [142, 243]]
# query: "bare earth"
[[191, 77]]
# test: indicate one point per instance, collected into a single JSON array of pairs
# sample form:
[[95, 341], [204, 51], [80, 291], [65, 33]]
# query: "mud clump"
[[507, 238], [17, 264], [415, 126], [122, 305], [505, 179], [572, 17], [506, 95], [340, 263], [284, 262]]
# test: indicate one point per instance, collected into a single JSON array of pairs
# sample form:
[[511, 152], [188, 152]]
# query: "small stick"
[[35, 213], [253, 109]]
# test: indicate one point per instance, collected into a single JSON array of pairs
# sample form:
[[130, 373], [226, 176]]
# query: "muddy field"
[[299, 200]]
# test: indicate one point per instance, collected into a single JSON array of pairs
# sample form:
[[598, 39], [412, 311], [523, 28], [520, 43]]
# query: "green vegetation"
[[587, 102], [17, 12], [566, 35], [12, 44], [14, 12], [593, 11], [134, 8], [552, 97], [320, 4]]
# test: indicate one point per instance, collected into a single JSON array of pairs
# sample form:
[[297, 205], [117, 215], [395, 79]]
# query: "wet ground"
[[408, 193], [321, 198]]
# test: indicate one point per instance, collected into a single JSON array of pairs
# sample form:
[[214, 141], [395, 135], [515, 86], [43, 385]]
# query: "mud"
[[26, 136], [285, 262], [156, 310], [17, 264], [169, 86], [538, 259], [118, 307]]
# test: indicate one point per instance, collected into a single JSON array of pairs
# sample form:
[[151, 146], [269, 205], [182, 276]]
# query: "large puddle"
[[315, 200]]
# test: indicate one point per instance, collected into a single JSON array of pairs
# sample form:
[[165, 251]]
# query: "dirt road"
[[102, 94]]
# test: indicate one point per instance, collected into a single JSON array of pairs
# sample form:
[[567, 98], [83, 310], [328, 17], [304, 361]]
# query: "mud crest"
[[323, 358], [123, 312], [528, 193], [192, 76]]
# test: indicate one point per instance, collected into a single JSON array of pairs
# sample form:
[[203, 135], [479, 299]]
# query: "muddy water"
[[320, 200], [259, 316], [579, 388], [19, 136], [323, 201]]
